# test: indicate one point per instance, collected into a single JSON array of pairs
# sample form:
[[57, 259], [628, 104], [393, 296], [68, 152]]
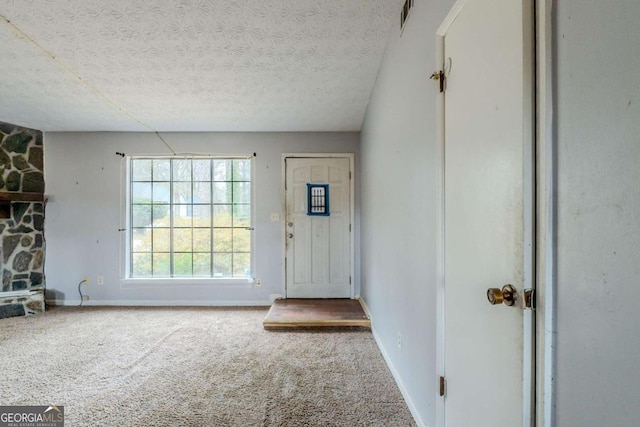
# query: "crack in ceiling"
[[191, 65]]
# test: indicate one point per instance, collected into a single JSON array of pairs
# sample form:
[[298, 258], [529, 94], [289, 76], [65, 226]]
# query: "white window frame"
[[179, 282]]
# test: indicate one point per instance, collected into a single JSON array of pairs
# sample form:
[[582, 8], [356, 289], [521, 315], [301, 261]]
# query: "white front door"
[[318, 242], [487, 191]]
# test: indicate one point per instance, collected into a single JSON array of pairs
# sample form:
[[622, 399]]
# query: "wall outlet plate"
[[85, 297], [100, 280]]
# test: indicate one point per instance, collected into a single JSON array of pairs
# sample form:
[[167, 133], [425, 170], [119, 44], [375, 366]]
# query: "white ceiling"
[[191, 65]]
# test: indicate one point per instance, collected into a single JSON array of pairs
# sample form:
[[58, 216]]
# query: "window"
[[190, 217]]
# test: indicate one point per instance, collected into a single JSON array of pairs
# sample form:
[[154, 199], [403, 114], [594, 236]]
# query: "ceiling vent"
[[404, 14]]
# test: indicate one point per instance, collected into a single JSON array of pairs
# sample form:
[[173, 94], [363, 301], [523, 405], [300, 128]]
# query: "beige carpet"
[[194, 367]]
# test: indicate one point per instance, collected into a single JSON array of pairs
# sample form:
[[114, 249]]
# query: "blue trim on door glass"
[[318, 200]]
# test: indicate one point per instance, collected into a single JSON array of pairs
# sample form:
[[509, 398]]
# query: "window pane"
[[221, 170], [222, 192], [141, 240], [202, 265], [242, 216], [202, 215], [202, 170], [202, 192], [141, 193], [161, 192], [182, 170], [241, 192], [242, 170], [182, 215], [161, 216], [182, 192], [222, 240], [161, 265], [141, 170], [182, 240], [222, 265], [141, 265], [242, 265], [202, 240], [222, 216], [182, 264], [161, 240], [241, 240], [141, 215], [161, 170]]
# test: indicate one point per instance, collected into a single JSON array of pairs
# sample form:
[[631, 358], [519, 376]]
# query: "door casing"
[[351, 158]]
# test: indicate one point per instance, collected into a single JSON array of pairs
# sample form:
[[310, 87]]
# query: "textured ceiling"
[[191, 65]]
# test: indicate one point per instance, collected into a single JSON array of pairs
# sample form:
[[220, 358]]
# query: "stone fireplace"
[[22, 244]]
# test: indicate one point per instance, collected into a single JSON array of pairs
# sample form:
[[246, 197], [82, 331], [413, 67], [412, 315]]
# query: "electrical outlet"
[[257, 282], [399, 341], [85, 280], [100, 280], [275, 217], [85, 297]]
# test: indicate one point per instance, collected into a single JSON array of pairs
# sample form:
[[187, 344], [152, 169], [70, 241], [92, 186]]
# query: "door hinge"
[[530, 299], [443, 387], [439, 76], [349, 228], [349, 279], [349, 175]]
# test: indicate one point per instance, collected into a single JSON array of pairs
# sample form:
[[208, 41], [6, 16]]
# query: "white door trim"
[[531, 208], [546, 218], [351, 158]]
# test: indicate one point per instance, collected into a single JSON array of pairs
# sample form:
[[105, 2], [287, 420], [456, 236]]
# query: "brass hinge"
[[443, 386], [439, 76], [530, 299]]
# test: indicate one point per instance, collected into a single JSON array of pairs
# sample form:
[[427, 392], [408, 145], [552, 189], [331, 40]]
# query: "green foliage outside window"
[[190, 217]]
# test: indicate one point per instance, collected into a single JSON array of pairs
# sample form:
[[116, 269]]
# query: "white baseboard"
[[364, 306], [154, 303], [405, 394]]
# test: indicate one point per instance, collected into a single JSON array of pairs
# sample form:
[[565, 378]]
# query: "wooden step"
[[316, 314]]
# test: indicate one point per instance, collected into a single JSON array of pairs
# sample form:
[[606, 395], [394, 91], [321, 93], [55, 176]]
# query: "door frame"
[[546, 179], [539, 219], [283, 209]]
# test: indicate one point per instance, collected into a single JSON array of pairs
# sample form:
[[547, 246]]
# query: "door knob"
[[291, 235], [507, 295], [290, 224]]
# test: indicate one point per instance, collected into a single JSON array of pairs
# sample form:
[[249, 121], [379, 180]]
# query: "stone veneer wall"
[[22, 235]]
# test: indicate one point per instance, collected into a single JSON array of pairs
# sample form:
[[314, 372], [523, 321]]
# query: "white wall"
[[85, 178], [597, 111], [399, 205]]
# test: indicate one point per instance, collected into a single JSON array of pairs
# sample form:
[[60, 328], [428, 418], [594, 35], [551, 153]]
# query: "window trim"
[[127, 281]]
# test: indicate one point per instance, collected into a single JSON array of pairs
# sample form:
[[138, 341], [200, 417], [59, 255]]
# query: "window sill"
[[244, 282]]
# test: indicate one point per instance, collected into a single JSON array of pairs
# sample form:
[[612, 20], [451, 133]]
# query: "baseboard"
[[153, 303], [364, 306], [405, 394]]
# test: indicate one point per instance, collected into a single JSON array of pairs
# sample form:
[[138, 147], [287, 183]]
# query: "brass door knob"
[[507, 295]]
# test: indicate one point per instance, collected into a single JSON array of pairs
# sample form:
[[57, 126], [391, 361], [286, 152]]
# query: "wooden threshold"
[[316, 314]]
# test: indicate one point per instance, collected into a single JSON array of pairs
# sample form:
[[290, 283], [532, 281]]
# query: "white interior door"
[[487, 242], [318, 247]]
